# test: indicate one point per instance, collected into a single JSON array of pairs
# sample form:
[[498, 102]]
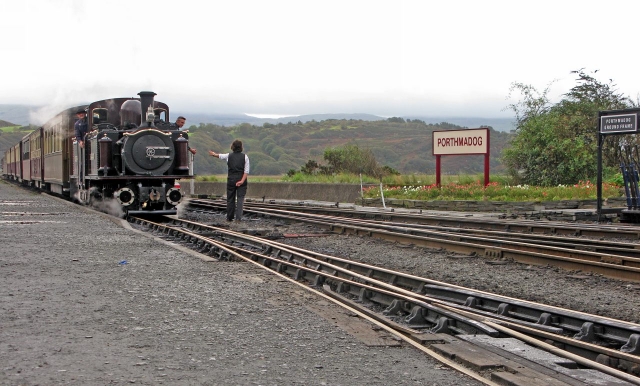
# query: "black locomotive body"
[[131, 159]]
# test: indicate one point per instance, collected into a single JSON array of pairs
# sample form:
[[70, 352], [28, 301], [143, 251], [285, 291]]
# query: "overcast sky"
[[281, 57]]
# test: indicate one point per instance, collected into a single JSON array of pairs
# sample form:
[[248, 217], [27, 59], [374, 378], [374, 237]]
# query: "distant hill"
[[324, 117], [236, 119], [19, 114], [277, 148], [498, 124], [217, 119], [7, 124]]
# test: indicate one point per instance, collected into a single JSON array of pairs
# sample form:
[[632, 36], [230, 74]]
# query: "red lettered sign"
[[454, 142]]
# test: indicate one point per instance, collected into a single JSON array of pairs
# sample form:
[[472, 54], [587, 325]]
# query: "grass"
[[8, 129], [223, 178], [452, 187]]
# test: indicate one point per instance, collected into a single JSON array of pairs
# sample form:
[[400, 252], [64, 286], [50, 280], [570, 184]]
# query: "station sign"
[[455, 142], [623, 123]]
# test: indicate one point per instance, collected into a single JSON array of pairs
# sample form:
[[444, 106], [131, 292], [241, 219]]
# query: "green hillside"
[[276, 148], [10, 134]]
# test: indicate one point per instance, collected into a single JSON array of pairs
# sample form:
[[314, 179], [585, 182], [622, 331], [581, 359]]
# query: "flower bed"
[[476, 191]]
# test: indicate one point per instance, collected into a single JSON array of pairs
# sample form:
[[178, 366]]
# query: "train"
[[132, 160]]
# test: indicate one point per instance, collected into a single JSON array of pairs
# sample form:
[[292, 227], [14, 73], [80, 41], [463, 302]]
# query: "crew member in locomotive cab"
[[81, 126], [179, 123], [238, 164]]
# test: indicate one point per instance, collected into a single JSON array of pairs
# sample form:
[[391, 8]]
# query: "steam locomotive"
[[132, 156]]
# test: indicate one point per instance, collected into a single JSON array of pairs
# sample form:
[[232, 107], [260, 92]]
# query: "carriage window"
[[54, 139], [36, 143], [59, 139], [98, 116], [25, 149]]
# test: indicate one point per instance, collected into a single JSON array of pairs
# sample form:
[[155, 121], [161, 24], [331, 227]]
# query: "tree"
[[583, 103], [277, 152], [311, 167], [244, 129], [352, 159], [557, 143]]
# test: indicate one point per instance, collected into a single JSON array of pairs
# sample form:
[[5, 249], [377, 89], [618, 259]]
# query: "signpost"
[[461, 142], [609, 123]]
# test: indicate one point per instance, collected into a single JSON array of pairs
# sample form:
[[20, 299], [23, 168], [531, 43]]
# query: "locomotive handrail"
[[168, 133]]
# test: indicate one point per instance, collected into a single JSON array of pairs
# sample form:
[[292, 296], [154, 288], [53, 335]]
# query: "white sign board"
[[624, 123], [452, 142]]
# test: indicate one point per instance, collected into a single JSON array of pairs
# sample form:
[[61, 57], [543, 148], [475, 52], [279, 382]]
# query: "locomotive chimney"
[[146, 102]]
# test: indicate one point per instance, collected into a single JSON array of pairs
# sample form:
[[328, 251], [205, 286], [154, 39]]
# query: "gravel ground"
[[86, 301], [580, 291]]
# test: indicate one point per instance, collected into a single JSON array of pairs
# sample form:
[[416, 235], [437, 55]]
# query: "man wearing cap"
[[81, 127]]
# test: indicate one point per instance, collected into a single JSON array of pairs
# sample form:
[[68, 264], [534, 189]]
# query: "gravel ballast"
[[580, 291]]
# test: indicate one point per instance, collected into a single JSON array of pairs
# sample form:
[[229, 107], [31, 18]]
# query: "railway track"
[[462, 220], [428, 313], [611, 258]]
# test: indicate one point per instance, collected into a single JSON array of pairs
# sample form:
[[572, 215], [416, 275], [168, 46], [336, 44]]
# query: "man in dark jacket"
[[81, 126], [238, 164], [179, 123]]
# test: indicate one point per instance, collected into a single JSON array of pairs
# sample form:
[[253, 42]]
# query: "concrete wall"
[[284, 191]]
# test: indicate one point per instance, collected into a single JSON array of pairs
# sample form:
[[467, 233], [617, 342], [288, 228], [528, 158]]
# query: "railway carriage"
[[25, 168], [57, 136], [6, 163], [14, 169], [132, 155], [35, 158], [31, 158]]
